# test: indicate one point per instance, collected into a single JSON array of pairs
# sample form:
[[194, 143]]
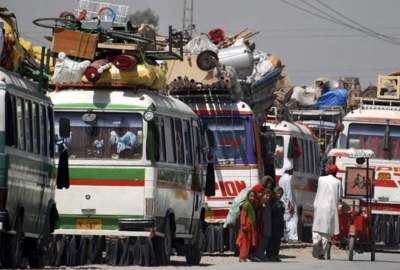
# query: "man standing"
[[289, 201], [326, 219]]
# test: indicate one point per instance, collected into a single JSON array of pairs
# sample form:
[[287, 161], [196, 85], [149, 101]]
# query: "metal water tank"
[[239, 57]]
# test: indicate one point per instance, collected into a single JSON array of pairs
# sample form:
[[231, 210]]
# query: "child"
[[278, 225], [264, 225], [247, 232]]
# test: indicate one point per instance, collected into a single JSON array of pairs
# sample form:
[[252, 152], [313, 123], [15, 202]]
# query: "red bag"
[[216, 35]]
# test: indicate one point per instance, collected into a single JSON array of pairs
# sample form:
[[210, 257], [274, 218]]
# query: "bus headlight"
[[148, 116]]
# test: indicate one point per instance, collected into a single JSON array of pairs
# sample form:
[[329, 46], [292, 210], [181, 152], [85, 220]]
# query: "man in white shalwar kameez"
[[289, 200], [326, 219]]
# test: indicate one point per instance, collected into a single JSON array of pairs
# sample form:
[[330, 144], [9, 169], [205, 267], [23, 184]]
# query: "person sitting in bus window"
[[247, 232], [289, 200], [277, 225], [264, 226], [326, 219]]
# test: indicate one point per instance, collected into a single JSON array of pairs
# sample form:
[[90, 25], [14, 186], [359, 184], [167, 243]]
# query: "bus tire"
[[163, 246], [35, 253], [13, 254], [195, 250], [193, 255]]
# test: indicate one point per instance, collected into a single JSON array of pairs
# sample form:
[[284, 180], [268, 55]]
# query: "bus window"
[[113, 136], [28, 125], [195, 146], [306, 160], [231, 139], [35, 128], [372, 136], [42, 126], [310, 157], [188, 142], [20, 124], [180, 150], [317, 158], [279, 152], [50, 124], [11, 119], [169, 139], [161, 130]]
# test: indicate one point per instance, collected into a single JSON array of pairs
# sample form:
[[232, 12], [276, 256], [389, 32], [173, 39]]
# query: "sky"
[[309, 46]]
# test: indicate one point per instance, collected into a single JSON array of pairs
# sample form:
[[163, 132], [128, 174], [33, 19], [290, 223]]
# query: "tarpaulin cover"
[[200, 44], [332, 98]]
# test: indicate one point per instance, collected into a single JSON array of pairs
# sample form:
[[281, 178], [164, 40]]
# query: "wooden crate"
[[75, 43], [388, 87]]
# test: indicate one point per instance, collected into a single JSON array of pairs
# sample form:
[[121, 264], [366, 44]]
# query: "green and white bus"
[[136, 176], [28, 211]]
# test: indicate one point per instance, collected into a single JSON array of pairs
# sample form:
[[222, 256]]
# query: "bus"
[[375, 125], [297, 144], [137, 178], [234, 139], [28, 212]]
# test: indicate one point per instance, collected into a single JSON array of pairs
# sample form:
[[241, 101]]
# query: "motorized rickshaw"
[[355, 212]]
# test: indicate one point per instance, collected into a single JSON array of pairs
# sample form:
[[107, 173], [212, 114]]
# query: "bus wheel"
[[35, 253], [194, 251], [163, 246], [13, 254]]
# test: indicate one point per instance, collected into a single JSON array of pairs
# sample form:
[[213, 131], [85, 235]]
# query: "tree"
[[147, 16]]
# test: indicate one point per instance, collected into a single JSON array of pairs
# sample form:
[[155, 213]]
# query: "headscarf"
[[266, 178], [332, 169], [248, 207], [278, 189], [257, 188]]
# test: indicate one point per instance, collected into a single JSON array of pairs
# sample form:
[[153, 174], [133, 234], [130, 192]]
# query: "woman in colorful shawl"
[[247, 232], [278, 225]]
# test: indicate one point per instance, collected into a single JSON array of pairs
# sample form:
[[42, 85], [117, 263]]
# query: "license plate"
[[88, 224]]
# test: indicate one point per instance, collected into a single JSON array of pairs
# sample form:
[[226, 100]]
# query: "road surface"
[[296, 259]]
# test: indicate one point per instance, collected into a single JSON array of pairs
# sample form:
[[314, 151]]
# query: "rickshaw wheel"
[[352, 241], [328, 250], [373, 252]]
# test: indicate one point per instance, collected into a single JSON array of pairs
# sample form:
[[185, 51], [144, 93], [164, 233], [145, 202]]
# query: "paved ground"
[[292, 258]]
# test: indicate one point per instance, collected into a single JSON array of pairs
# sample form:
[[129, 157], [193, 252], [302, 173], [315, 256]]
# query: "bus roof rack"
[[373, 103], [202, 95]]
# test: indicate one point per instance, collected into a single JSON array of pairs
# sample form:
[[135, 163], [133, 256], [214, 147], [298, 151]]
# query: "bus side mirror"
[[210, 176], [63, 169], [65, 128]]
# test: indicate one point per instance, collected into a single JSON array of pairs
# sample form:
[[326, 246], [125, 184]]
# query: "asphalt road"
[[295, 258]]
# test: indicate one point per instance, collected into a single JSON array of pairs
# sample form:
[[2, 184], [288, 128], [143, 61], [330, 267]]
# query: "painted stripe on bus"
[[120, 173], [217, 213], [385, 183], [108, 222], [222, 112], [98, 106], [107, 182]]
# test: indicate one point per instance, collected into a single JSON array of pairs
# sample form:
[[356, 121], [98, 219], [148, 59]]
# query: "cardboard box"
[[75, 43], [388, 87]]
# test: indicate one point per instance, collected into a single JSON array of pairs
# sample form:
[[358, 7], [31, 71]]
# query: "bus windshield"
[[231, 138], [279, 152], [112, 136], [372, 136]]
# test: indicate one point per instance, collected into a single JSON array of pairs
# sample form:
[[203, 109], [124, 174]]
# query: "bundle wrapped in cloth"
[[142, 75]]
